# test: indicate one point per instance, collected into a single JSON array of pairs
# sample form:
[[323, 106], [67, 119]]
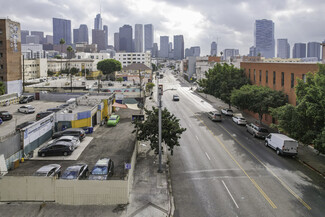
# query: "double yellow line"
[[251, 179]]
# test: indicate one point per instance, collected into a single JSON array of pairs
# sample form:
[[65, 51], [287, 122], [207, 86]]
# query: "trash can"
[[90, 130]]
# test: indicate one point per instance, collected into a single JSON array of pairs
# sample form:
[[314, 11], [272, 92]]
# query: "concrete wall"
[[53, 97], [10, 146]]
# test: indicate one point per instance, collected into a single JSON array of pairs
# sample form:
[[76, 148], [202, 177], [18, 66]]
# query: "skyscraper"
[[283, 48], [98, 37], [75, 36], [98, 22], [154, 52], [214, 51], [148, 37], [313, 49], [117, 41], [195, 51], [138, 38], [61, 29], [164, 46], [105, 27], [81, 34], [125, 38], [40, 36], [178, 47], [24, 33], [299, 50], [264, 38]]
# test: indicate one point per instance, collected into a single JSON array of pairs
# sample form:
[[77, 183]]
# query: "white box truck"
[[282, 144]]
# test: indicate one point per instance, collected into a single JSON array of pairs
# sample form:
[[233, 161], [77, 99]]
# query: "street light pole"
[[23, 73], [160, 92]]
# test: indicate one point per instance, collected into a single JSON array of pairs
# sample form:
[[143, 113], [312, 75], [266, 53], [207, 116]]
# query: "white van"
[[282, 144]]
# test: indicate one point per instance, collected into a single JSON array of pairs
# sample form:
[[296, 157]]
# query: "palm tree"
[[62, 42], [69, 50]]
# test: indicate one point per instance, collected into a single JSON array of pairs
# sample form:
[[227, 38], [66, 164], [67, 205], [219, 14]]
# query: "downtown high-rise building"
[[264, 38], [283, 48], [98, 37], [117, 41], [125, 38], [313, 49], [155, 51], [61, 29], [299, 50], [105, 28], [98, 22], [214, 50], [164, 47], [81, 34], [195, 51], [138, 38], [148, 37], [40, 36], [24, 33], [178, 47]]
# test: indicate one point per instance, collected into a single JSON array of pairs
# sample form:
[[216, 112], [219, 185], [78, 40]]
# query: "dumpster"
[[88, 130]]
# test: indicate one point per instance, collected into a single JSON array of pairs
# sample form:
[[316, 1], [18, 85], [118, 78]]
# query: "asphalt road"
[[221, 170]]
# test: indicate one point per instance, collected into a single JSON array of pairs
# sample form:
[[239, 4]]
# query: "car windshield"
[[112, 118], [5, 113], [99, 170], [70, 174]]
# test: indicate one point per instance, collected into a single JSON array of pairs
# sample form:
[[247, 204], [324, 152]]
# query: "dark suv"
[[257, 130], [41, 115], [5, 115], [26, 99], [77, 132]]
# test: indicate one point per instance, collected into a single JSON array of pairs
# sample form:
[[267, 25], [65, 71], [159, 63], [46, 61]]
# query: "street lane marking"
[[278, 178], [232, 157], [197, 138], [230, 194], [207, 156], [211, 170]]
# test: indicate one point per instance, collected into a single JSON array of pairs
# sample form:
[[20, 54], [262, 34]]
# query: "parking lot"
[[8, 127], [116, 143]]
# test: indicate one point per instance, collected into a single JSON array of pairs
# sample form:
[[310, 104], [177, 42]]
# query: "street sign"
[[160, 89]]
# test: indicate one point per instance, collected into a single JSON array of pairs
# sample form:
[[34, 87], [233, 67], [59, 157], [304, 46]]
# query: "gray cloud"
[[230, 22]]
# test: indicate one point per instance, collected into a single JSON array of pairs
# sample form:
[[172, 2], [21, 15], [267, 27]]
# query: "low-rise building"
[[130, 58], [133, 72], [55, 65], [34, 68], [203, 64]]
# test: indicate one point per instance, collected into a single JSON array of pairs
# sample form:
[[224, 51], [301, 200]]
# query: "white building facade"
[[129, 58]]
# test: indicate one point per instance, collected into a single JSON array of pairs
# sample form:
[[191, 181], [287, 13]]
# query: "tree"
[[306, 121], [109, 66], [148, 130], [2, 88], [119, 79], [257, 99], [154, 67], [69, 51], [222, 80], [62, 42], [149, 86], [50, 73], [74, 71]]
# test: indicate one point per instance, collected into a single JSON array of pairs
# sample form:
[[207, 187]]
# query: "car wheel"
[[266, 144], [65, 153], [278, 151], [26, 112], [43, 154]]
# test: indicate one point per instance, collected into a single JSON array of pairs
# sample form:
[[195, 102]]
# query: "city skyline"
[[200, 22]]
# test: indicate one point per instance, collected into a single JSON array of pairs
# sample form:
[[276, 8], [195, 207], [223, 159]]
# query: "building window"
[[304, 77], [292, 80], [266, 76], [249, 74], [1, 66], [1, 55], [274, 77], [0, 31], [282, 79], [260, 75], [0, 43], [254, 75]]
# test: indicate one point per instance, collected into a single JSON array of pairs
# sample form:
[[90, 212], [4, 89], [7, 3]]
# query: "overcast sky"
[[228, 22]]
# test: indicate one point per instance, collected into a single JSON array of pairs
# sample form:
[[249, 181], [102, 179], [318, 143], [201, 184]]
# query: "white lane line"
[[207, 156], [230, 194], [197, 138]]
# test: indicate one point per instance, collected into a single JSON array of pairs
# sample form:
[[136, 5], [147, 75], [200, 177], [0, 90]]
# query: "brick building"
[[10, 56], [278, 76]]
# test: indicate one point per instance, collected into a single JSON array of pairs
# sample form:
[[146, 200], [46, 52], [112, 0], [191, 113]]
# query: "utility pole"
[[160, 93], [23, 73]]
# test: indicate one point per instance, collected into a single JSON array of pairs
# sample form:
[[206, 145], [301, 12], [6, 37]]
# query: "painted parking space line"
[[230, 194]]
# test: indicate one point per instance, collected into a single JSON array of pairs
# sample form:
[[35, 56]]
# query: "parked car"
[[78, 132], [26, 109], [239, 119], [282, 144], [103, 169], [26, 99], [72, 139], [23, 125], [5, 115], [215, 115], [54, 109], [175, 97], [78, 171], [41, 115], [257, 130], [113, 120], [51, 170], [56, 149], [227, 111]]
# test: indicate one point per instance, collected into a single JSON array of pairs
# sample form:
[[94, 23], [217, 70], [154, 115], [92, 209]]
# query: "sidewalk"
[[306, 154], [150, 194]]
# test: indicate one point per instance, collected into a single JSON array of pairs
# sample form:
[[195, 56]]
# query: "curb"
[[170, 190], [311, 167]]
